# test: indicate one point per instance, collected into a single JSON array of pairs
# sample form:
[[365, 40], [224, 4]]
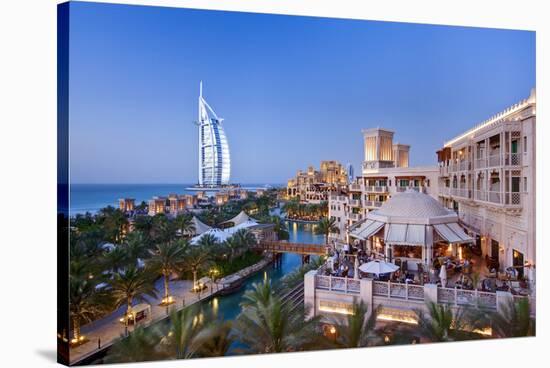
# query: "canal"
[[227, 307]]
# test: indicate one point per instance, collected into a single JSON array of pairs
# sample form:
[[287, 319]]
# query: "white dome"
[[412, 204]]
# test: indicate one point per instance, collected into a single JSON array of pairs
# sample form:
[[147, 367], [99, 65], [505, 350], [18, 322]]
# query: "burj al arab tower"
[[214, 159]]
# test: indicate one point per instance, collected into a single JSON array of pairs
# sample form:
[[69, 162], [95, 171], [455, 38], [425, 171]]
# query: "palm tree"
[[196, 258], [141, 345], [85, 302], [135, 246], [214, 340], [185, 225], [266, 325], [131, 284], [166, 259], [207, 241], [184, 327], [442, 324], [116, 260], [513, 320], [114, 222], [233, 245], [245, 238], [162, 229], [326, 227], [357, 330], [280, 228]]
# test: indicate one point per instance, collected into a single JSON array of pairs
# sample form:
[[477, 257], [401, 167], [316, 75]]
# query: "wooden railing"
[[286, 247]]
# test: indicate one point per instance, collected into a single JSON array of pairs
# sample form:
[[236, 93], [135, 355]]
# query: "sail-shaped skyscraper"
[[214, 159]]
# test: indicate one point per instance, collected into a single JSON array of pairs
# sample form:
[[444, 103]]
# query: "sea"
[[92, 197]]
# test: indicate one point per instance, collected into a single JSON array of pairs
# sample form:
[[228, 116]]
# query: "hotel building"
[[214, 158], [385, 171], [487, 175], [126, 204], [314, 186]]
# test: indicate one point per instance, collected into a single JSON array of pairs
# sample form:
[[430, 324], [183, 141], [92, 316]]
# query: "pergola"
[[408, 225]]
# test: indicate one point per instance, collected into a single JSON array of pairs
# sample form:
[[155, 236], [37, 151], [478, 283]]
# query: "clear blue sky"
[[293, 90]]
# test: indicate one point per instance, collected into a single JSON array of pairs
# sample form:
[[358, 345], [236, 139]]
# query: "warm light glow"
[[393, 315], [460, 253], [332, 330], [487, 331], [386, 339], [335, 307]]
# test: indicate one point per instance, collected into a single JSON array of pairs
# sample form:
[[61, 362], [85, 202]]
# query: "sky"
[[293, 90]]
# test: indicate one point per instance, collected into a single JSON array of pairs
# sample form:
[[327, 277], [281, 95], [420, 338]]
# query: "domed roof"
[[412, 204]]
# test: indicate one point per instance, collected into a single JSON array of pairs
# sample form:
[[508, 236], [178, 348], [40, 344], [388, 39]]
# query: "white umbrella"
[[443, 275], [378, 267]]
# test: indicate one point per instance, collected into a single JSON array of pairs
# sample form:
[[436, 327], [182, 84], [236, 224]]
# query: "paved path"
[[109, 328]]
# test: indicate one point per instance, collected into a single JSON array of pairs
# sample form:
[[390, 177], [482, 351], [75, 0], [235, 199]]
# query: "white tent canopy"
[[378, 267], [239, 219], [200, 227]]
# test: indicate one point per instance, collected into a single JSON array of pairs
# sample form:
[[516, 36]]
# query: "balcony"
[[444, 191], [416, 189], [444, 170], [355, 216], [336, 198], [500, 198], [355, 187], [376, 189], [462, 165], [355, 202], [461, 192], [495, 160], [374, 204]]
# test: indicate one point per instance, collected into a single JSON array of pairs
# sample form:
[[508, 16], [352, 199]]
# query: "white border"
[[28, 184]]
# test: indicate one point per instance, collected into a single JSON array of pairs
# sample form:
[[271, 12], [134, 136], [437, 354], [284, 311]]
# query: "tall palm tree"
[[185, 225], [141, 345], [326, 226], [166, 259], [196, 259], [136, 246], [266, 325], [116, 260], [233, 245], [245, 237], [131, 284], [513, 320], [357, 330], [85, 302]]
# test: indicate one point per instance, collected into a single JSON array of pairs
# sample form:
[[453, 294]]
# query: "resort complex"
[[314, 186], [408, 254], [459, 234]]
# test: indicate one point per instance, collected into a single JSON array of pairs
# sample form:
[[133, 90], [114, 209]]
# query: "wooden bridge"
[[286, 247]]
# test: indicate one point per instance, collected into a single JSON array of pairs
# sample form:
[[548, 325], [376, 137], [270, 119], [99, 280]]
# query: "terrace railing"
[[460, 297], [341, 284], [376, 189], [397, 290]]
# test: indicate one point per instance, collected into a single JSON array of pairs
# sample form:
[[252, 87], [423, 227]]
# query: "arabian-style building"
[[313, 186], [487, 174], [126, 204], [214, 158], [386, 171]]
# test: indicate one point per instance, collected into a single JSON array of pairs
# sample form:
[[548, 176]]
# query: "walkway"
[[286, 247], [109, 328]]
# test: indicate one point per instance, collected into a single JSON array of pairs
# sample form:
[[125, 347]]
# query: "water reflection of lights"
[[215, 306]]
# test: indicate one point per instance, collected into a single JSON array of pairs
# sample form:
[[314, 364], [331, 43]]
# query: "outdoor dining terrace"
[[403, 294]]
